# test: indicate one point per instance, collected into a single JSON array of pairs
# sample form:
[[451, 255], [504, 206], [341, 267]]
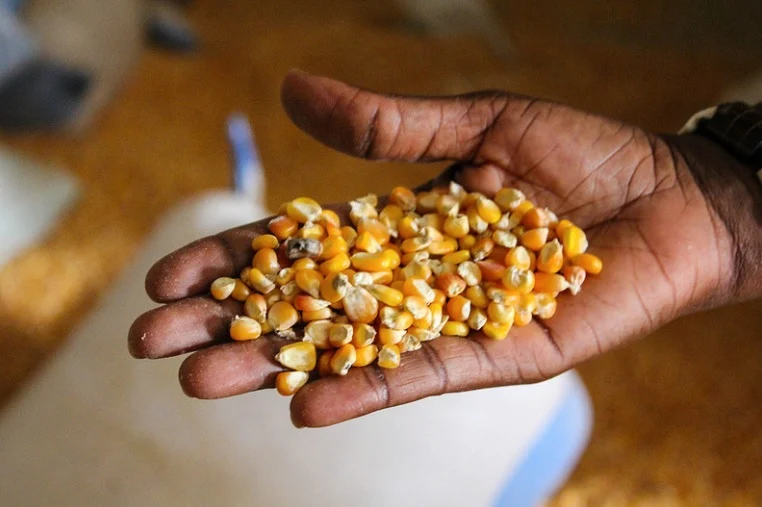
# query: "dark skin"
[[675, 220]]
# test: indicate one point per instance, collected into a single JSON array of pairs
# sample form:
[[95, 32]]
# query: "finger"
[[231, 368], [190, 270], [376, 126], [181, 327], [443, 365]]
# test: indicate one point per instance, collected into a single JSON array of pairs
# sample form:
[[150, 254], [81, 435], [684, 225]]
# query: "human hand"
[[664, 243]]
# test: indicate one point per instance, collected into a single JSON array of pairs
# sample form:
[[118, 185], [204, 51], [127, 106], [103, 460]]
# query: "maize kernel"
[[304, 209], [363, 335], [389, 336], [222, 288], [500, 313], [306, 303], [360, 305], [312, 231], [395, 319], [333, 246], [442, 246], [426, 320], [359, 210], [520, 280], [496, 331], [546, 305], [282, 315], [408, 227], [389, 356], [477, 319], [492, 271], [467, 241], [285, 276], [317, 332], [457, 257], [255, 307], [245, 328], [459, 308], [551, 257], [426, 202], [536, 218], [382, 277], [375, 228], [502, 296], [450, 284], [454, 328], [379, 261], [298, 248], [439, 297], [288, 382], [553, 283], [299, 356], [589, 262], [365, 355], [240, 291], [266, 260], [283, 227], [475, 220], [477, 296], [340, 334], [508, 199], [264, 241], [385, 294], [334, 287], [574, 241], [470, 273], [576, 276], [324, 363], [410, 341], [456, 226], [482, 248], [404, 198], [335, 265], [504, 239], [534, 239], [488, 210], [309, 281], [349, 235]]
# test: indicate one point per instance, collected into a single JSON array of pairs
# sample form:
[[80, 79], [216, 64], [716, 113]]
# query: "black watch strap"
[[735, 126]]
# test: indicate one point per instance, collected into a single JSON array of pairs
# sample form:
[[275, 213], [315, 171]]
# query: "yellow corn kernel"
[[496, 331], [322, 314], [503, 296], [349, 235], [395, 319], [324, 363], [240, 291], [244, 275], [553, 283], [528, 302], [359, 210], [382, 277], [576, 276], [343, 359], [390, 216], [574, 241], [389, 336], [416, 306], [245, 328], [404, 198], [299, 356], [283, 227], [488, 210], [335, 265], [255, 307], [408, 227], [285, 276], [309, 281], [282, 315], [374, 227], [366, 242], [306, 303], [415, 244], [365, 355], [371, 199], [501, 313], [551, 257], [266, 260], [392, 255], [438, 317], [477, 296], [304, 263], [536, 218], [410, 341], [426, 202], [334, 287], [312, 231], [467, 241], [470, 273], [273, 297], [360, 305], [435, 222], [407, 258], [361, 278], [459, 308], [450, 284], [523, 318], [442, 246], [454, 328], [340, 334], [447, 205], [520, 280], [389, 356], [288, 382], [426, 320], [385, 294], [317, 332], [363, 335], [266, 327], [477, 319], [439, 297], [534, 239], [329, 217], [504, 239], [562, 226], [379, 261], [222, 287], [524, 207], [589, 262], [333, 246], [304, 209], [417, 270], [457, 257], [264, 241], [475, 220], [508, 199], [546, 305], [456, 226]]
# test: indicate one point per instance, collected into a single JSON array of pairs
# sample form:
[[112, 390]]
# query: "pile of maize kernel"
[[442, 262]]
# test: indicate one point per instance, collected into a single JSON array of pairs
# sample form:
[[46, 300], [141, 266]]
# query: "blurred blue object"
[[248, 176]]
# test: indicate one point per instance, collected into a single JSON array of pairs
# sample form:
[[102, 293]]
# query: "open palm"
[[664, 249]]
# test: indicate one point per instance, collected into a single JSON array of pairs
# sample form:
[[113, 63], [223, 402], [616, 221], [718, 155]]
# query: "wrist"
[[734, 196]]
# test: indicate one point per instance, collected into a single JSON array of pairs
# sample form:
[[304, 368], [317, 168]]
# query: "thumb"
[[376, 126]]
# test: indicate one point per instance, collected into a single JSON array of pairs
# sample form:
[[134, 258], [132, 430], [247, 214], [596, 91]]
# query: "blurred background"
[[139, 124]]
